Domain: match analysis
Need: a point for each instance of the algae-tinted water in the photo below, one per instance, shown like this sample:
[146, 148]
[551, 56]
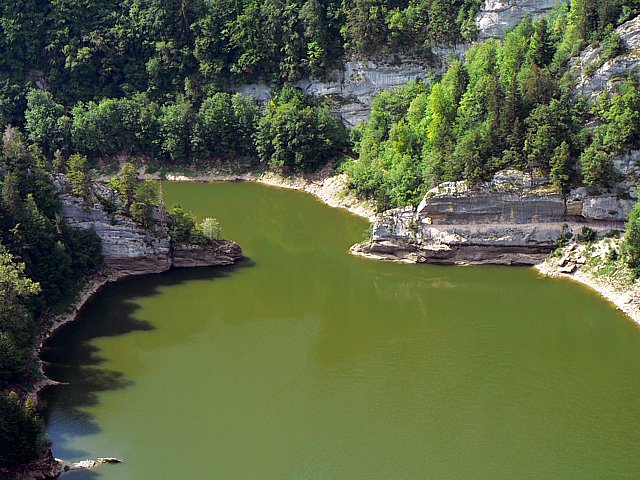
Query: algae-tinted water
[303, 362]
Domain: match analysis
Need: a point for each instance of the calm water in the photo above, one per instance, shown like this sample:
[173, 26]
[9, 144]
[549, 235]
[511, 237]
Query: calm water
[303, 362]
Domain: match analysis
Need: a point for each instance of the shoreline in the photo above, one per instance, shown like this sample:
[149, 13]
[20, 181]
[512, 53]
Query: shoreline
[94, 285]
[624, 297]
[330, 189]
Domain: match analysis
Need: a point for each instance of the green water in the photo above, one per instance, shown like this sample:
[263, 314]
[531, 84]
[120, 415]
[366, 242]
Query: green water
[303, 362]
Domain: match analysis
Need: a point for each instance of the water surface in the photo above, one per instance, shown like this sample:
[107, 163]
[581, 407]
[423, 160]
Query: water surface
[303, 362]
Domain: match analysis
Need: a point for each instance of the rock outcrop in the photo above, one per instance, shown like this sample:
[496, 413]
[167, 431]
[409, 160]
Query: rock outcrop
[130, 250]
[596, 74]
[44, 468]
[353, 88]
[498, 16]
[514, 219]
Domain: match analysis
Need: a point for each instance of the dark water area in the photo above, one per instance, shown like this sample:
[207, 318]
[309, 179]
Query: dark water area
[303, 362]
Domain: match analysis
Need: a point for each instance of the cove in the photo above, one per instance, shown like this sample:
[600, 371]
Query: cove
[303, 362]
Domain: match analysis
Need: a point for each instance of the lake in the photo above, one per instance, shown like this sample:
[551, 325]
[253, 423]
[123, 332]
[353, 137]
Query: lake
[303, 362]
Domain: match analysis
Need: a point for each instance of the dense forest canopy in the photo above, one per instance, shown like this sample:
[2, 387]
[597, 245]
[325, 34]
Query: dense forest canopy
[510, 103]
[84, 51]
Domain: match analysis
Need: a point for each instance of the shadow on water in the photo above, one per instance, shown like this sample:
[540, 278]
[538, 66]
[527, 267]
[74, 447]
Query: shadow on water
[81, 475]
[70, 357]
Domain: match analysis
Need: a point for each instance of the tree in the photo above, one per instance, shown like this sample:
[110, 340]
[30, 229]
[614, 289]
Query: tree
[11, 199]
[561, 167]
[293, 134]
[631, 242]
[45, 122]
[175, 130]
[78, 174]
[597, 168]
[146, 199]
[17, 328]
[21, 431]
[182, 225]
[126, 183]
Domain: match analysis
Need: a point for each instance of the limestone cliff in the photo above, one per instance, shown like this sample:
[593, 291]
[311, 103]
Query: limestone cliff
[353, 88]
[129, 249]
[514, 219]
[596, 74]
[498, 16]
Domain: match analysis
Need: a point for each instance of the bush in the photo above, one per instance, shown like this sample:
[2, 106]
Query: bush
[210, 229]
[182, 225]
[588, 235]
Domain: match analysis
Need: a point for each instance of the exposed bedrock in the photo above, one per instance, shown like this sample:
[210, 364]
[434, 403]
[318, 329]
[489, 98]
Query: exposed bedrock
[352, 88]
[131, 250]
[498, 16]
[596, 74]
[513, 219]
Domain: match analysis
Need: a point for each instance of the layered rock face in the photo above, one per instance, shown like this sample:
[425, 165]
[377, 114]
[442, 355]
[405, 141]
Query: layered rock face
[499, 16]
[352, 89]
[596, 75]
[513, 219]
[130, 250]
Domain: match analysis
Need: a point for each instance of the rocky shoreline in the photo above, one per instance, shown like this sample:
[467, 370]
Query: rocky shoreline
[128, 251]
[223, 252]
[591, 265]
[330, 189]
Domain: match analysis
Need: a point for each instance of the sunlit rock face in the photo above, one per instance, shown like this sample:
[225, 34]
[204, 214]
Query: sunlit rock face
[596, 75]
[499, 16]
[513, 219]
[352, 89]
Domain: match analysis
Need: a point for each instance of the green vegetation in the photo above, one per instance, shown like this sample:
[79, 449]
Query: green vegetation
[20, 430]
[631, 243]
[39, 256]
[509, 104]
[117, 48]
[294, 135]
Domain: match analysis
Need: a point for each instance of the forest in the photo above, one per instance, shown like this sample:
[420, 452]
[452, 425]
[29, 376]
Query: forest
[509, 104]
[82, 82]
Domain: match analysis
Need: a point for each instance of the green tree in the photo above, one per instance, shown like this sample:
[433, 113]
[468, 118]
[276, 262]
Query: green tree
[45, 123]
[176, 123]
[561, 169]
[126, 183]
[147, 198]
[182, 225]
[631, 241]
[293, 134]
[78, 174]
[597, 168]
[21, 431]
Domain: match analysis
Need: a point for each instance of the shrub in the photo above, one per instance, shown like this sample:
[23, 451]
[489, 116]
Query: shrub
[210, 229]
